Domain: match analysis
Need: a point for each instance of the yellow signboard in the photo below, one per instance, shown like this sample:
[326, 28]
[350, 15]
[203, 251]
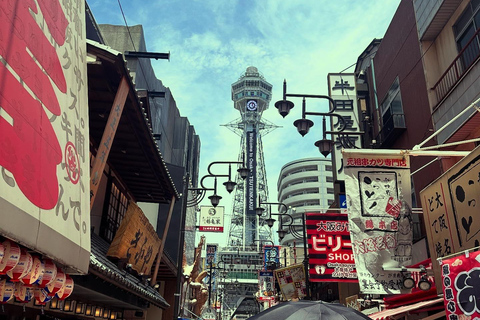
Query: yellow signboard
[451, 207]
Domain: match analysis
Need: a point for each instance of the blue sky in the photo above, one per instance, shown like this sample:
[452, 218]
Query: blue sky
[212, 42]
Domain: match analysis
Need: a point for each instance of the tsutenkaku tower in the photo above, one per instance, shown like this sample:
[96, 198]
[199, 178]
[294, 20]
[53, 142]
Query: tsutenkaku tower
[251, 94]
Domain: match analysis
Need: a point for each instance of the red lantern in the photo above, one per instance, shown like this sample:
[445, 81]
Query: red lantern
[23, 266]
[41, 295]
[35, 274]
[7, 289]
[11, 256]
[49, 275]
[56, 285]
[23, 293]
[67, 289]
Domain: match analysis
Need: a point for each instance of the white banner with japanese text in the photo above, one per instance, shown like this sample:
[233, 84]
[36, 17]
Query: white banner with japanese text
[380, 218]
[211, 218]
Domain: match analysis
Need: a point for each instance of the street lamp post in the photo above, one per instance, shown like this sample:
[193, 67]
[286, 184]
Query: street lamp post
[199, 193]
[303, 125]
[296, 235]
[270, 221]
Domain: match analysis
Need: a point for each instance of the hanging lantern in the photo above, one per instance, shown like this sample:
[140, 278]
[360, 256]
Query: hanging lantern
[49, 275]
[41, 295]
[2, 251]
[67, 289]
[23, 267]
[7, 288]
[23, 293]
[10, 257]
[35, 274]
[56, 285]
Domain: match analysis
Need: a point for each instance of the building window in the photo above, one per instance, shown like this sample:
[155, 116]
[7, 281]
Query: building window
[330, 202]
[117, 206]
[392, 110]
[330, 190]
[464, 29]
[329, 179]
[328, 168]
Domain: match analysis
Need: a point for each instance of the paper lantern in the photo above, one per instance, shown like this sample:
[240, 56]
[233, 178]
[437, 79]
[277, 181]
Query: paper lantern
[7, 288]
[35, 274]
[2, 251]
[49, 275]
[23, 267]
[41, 295]
[22, 292]
[10, 257]
[56, 285]
[67, 289]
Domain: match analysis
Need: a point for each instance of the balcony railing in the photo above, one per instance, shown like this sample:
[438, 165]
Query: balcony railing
[459, 67]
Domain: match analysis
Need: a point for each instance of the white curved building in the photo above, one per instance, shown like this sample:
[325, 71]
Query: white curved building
[305, 185]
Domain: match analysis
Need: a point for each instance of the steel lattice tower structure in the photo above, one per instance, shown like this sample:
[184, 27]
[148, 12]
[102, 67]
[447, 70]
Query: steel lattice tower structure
[251, 94]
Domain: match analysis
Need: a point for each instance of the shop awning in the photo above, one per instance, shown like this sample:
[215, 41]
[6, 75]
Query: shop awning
[383, 315]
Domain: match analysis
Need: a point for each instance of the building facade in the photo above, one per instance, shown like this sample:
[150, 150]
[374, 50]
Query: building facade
[305, 185]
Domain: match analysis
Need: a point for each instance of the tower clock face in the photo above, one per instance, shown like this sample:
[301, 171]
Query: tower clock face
[252, 105]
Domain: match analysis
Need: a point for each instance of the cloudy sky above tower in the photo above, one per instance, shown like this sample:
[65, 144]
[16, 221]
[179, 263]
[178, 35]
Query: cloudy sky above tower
[212, 42]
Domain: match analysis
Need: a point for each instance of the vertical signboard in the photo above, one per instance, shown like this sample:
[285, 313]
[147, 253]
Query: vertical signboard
[44, 129]
[450, 210]
[271, 256]
[251, 186]
[211, 218]
[380, 218]
[211, 261]
[330, 249]
[266, 285]
[341, 88]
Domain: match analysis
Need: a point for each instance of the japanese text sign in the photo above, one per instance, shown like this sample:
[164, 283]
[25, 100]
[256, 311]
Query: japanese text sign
[266, 285]
[44, 128]
[341, 88]
[210, 262]
[271, 255]
[461, 280]
[330, 250]
[292, 281]
[380, 218]
[450, 210]
[211, 219]
[135, 240]
[211, 254]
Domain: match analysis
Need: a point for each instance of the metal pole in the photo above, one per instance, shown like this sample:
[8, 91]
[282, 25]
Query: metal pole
[305, 261]
[210, 285]
[180, 253]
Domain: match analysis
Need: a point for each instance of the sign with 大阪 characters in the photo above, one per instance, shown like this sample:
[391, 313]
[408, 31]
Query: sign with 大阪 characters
[450, 210]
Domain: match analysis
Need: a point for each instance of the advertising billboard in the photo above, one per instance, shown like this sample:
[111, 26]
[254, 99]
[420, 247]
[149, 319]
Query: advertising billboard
[329, 248]
[44, 129]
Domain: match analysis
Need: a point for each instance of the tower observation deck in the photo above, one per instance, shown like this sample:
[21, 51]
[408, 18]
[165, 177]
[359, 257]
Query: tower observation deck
[251, 94]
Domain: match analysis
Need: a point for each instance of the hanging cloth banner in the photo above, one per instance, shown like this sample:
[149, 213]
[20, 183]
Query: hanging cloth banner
[461, 280]
[379, 212]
